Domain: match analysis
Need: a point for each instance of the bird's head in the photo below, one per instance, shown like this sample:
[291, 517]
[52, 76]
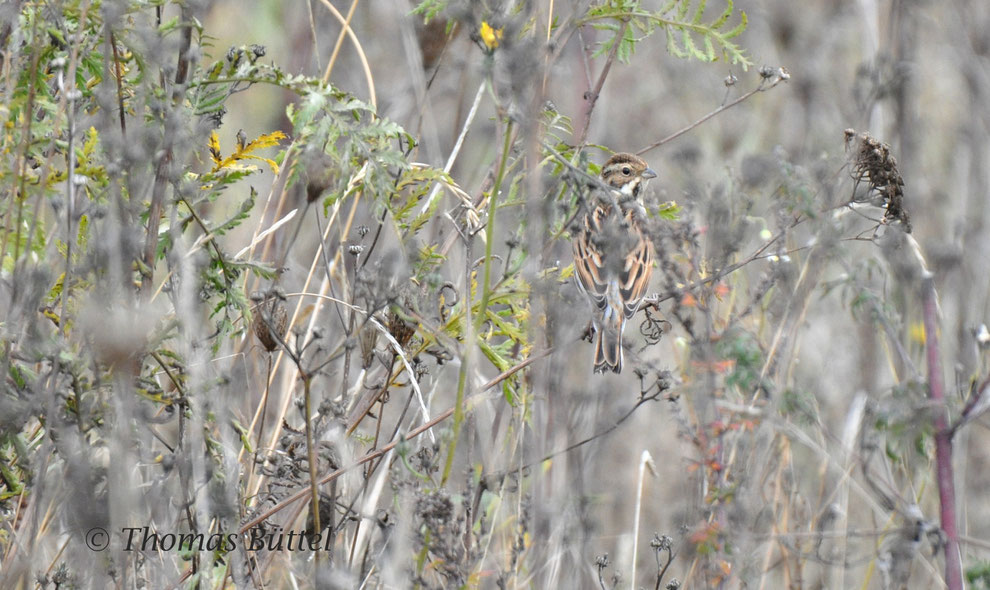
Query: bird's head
[627, 173]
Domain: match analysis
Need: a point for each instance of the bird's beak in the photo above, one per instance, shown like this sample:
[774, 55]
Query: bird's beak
[649, 173]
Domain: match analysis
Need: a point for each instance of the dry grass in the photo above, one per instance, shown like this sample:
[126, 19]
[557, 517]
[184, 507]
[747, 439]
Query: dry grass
[774, 425]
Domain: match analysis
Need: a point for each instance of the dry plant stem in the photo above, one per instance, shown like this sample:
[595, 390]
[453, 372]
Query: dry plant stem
[580, 443]
[644, 463]
[283, 408]
[312, 31]
[970, 411]
[261, 421]
[763, 86]
[311, 457]
[162, 169]
[345, 22]
[469, 337]
[593, 94]
[409, 436]
[457, 145]
[362, 411]
[340, 41]
[118, 74]
[943, 438]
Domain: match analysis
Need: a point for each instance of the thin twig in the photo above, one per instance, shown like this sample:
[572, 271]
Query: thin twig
[165, 162]
[593, 94]
[763, 87]
[457, 146]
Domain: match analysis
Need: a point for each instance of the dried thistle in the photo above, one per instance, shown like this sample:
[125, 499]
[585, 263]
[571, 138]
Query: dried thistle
[874, 164]
[399, 329]
[270, 321]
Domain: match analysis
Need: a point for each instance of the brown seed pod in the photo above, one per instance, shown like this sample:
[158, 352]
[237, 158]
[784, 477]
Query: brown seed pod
[270, 321]
[399, 329]
[368, 339]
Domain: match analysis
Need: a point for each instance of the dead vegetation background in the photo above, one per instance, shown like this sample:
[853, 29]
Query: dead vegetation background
[774, 427]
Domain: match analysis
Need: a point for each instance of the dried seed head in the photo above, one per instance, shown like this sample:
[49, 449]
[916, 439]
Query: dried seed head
[874, 164]
[399, 329]
[270, 321]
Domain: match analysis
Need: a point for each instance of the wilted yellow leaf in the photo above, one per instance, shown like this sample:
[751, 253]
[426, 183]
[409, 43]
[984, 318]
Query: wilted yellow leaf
[490, 36]
[214, 146]
[243, 151]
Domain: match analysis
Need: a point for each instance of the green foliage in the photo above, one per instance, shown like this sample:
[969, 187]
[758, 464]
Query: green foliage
[683, 21]
[358, 150]
[743, 350]
[978, 576]
[429, 9]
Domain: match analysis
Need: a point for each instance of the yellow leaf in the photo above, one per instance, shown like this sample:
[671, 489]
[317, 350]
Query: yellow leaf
[917, 332]
[264, 140]
[490, 36]
[271, 163]
[214, 146]
[243, 151]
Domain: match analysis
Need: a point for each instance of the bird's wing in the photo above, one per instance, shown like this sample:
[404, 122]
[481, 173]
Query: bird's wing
[589, 259]
[636, 271]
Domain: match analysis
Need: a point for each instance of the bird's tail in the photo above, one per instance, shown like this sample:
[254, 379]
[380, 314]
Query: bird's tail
[608, 346]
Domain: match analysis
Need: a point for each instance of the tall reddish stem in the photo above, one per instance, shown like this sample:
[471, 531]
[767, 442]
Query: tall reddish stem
[943, 439]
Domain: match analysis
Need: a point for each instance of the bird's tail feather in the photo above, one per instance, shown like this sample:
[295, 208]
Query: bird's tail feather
[608, 346]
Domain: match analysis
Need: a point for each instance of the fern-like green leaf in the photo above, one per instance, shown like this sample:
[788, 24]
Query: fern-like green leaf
[699, 12]
[743, 21]
[724, 17]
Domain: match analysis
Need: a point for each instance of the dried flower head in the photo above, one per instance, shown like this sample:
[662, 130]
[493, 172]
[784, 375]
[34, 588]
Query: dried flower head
[874, 164]
[270, 321]
[399, 329]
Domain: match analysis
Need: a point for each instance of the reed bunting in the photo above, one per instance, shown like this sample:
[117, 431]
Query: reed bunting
[613, 258]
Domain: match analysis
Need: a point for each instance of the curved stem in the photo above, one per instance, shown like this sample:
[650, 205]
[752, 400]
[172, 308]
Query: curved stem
[490, 228]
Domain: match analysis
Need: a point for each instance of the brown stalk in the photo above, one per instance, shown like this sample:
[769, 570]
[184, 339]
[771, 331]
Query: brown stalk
[162, 169]
[943, 438]
[592, 95]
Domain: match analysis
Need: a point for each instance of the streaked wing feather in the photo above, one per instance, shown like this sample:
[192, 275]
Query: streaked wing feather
[636, 276]
[589, 260]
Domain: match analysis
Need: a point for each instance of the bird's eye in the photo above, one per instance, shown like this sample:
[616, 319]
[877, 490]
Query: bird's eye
[626, 170]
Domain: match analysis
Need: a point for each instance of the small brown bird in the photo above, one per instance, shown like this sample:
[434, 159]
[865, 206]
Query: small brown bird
[613, 258]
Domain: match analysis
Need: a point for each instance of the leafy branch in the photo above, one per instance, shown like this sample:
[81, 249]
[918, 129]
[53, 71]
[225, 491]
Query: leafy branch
[688, 35]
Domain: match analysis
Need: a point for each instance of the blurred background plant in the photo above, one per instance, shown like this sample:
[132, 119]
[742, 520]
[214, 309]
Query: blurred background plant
[307, 265]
